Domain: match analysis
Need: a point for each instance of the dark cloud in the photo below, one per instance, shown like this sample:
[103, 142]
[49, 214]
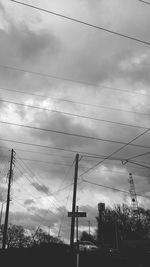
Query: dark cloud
[26, 45]
[35, 217]
[41, 188]
[29, 202]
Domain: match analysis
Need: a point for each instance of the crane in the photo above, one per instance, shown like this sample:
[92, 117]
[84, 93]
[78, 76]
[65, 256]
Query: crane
[134, 202]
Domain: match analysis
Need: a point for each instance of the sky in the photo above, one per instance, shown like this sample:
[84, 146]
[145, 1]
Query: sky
[68, 88]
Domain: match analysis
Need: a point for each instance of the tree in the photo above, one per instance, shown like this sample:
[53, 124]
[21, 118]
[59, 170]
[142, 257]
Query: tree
[87, 237]
[16, 237]
[121, 222]
[41, 237]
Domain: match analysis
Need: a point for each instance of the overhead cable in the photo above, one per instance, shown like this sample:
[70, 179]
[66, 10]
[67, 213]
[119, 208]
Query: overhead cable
[77, 135]
[83, 22]
[113, 153]
[80, 103]
[113, 188]
[74, 115]
[144, 2]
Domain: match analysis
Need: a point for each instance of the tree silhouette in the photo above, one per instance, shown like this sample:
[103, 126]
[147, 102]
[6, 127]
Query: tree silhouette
[121, 223]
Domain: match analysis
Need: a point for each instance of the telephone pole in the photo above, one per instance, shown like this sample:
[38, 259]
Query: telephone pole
[74, 200]
[77, 226]
[10, 175]
[89, 227]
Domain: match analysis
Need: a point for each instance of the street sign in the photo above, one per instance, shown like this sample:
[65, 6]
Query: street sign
[76, 214]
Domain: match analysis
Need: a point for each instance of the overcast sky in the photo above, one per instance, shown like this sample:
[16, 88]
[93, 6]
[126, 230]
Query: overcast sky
[54, 73]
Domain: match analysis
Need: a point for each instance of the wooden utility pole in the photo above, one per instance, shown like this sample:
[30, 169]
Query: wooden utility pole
[77, 226]
[1, 213]
[8, 200]
[116, 233]
[89, 227]
[74, 200]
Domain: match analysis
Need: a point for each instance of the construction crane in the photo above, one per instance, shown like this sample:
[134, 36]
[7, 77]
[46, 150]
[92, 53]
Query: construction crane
[134, 202]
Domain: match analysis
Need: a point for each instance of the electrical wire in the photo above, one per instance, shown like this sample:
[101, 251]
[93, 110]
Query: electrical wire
[113, 188]
[112, 154]
[76, 135]
[26, 179]
[23, 173]
[81, 103]
[39, 184]
[75, 115]
[49, 147]
[112, 88]
[47, 162]
[144, 2]
[82, 155]
[139, 155]
[33, 214]
[138, 164]
[112, 158]
[55, 192]
[40, 153]
[35, 197]
[44, 75]
[35, 178]
[83, 22]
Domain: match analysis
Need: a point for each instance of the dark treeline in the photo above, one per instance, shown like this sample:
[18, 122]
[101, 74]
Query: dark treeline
[114, 225]
[18, 237]
[118, 224]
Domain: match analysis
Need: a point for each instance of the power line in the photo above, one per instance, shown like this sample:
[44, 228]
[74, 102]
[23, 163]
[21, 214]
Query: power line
[48, 162]
[55, 192]
[48, 147]
[27, 179]
[26, 209]
[34, 178]
[39, 153]
[35, 213]
[75, 135]
[124, 161]
[144, 2]
[45, 75]
[112, 158]
[62, 149]
[113, 188]
[74, 115]
[138, 164]
[82, 155]
[128, 91]
[122, 173]
[80, 103]
[118, 150]
[84, 23]
[139, 155]
[32, 183]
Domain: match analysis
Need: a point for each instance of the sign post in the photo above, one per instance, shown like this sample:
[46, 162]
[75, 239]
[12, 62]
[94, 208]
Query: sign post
[76, 215]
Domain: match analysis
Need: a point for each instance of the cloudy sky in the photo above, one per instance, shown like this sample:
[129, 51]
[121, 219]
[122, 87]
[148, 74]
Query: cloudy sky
[68, 88]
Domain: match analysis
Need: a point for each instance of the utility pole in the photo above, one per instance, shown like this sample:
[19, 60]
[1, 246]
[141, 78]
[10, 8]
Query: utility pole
[74, 200]
[8, 199]
[116, 234]
[1, 213]
[77, 226]
[89, 227]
